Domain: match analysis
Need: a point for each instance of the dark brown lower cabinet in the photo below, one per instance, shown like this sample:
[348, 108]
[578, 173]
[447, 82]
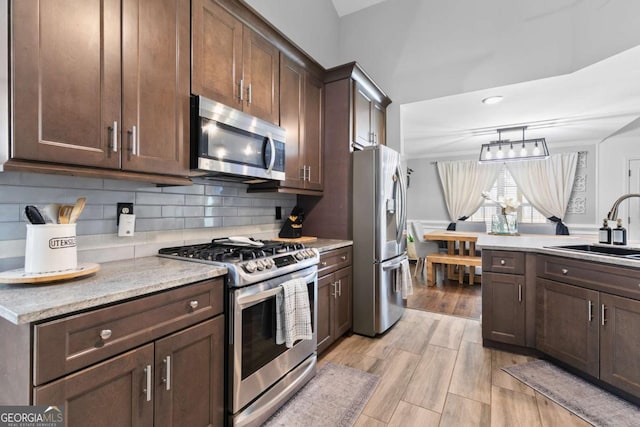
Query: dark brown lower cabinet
[503, 308]
[620, 342]
[567, 324]
[335, 285]
[334, 307]
[176, 381]
[111, 393]
[592, 331]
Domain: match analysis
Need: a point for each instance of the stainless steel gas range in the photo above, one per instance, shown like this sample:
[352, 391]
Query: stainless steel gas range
[262, 375]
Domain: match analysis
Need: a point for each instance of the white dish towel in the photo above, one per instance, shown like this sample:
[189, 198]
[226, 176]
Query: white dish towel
[406, 285]
[293, 315]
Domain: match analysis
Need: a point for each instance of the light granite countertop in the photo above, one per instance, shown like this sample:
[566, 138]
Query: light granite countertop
[324, 245]
[544, 245]
[114, 281]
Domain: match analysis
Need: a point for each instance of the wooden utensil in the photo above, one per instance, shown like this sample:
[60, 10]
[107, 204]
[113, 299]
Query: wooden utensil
[64, 214]
[77, 210]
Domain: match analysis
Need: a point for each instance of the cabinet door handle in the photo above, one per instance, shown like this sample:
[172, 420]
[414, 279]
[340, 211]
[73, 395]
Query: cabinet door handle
[564, 271]
[519, 292]
[167, 369]
[134, 140]
[309, 175]
[590, 311]
[240, 89]
[114, 137]
[334, 291]
[147, 390]
[193, 304]
[603, 309]
[249, 94]
[105, 334]
[303, 173]
[502, 262]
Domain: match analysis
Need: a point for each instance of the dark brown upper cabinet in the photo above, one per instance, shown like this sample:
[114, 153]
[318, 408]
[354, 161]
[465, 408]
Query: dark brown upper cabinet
[102, 84]
[232, 63]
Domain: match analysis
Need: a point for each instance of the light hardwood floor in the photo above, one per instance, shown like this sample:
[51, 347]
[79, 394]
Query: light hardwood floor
[434, 372]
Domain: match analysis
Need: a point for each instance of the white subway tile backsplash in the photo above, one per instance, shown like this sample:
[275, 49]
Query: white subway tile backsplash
[10, 212]
[190, 189]
[230, 221]
[166, 216]
[159, 199]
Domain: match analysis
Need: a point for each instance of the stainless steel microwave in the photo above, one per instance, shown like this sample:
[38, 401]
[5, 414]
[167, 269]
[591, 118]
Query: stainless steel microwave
[227, 143]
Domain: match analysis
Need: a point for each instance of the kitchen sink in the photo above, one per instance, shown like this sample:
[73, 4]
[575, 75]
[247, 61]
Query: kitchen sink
[602, 250]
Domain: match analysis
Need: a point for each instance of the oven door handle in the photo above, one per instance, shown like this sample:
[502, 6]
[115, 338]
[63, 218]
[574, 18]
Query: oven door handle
[260, 296]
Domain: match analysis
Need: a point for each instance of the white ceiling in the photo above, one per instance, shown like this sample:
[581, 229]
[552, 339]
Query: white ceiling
[345, 7]
[587, 105]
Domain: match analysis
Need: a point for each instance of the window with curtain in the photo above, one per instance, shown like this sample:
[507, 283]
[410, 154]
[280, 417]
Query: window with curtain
[505, 186]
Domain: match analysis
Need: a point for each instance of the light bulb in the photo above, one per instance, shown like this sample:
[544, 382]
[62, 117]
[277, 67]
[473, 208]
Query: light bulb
[536, 150]
[500, 154]
[523, 151]
[488, 155]
[511, 153]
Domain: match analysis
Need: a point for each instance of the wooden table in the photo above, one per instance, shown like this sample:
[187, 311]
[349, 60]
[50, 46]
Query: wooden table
[466, 255]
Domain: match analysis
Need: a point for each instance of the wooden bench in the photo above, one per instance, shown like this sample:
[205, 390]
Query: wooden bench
[459, 260]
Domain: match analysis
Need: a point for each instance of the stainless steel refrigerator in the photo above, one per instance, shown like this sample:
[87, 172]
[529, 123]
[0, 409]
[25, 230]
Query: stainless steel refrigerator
[379, 245]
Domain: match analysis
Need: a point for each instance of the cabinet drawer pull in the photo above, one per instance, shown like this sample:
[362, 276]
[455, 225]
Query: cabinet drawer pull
[590, 311]
[167, 368]
[564, 271]
[105, 334]
[343, 257]
[603, 309]
[147, 389]
[193, 304]
[502, 262]
[519, 292]
[323, 263]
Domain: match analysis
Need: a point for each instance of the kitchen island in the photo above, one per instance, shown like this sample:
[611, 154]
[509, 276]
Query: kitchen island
[580, 308]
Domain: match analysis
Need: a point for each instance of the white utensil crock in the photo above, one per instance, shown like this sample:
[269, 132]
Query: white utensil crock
[50, 248]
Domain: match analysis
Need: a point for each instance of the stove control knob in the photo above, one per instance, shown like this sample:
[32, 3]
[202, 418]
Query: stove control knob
[260, 264]
[268, 263]
[311, 253]
[299, 256]
[250, 267]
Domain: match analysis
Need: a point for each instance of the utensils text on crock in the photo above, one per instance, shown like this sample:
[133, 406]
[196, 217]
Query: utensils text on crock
[33, 215]
[77, 210]
[64, 214]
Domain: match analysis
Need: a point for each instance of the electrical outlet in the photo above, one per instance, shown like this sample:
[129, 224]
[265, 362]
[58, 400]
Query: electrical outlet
[124, 208]
[278, 212]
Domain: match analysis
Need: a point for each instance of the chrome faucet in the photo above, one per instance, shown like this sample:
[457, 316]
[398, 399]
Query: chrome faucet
[613, 213]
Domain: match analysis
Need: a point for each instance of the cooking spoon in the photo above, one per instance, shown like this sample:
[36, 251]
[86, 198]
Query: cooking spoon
[64, 214]
[77, 210]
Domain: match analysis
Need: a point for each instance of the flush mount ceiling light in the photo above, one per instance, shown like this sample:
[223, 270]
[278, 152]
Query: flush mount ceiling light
[492, 100]
[504, 150]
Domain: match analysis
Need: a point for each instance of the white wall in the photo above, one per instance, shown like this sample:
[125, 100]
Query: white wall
[614, 155]
[313, 25]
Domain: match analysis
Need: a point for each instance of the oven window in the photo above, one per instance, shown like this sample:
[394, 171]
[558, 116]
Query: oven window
[259, 334]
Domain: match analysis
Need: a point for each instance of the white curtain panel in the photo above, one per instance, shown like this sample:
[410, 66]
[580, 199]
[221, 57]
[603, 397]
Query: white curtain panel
[463, 183]
[546, 183]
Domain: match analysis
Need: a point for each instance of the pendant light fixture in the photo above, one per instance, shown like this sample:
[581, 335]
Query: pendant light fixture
[507, 150]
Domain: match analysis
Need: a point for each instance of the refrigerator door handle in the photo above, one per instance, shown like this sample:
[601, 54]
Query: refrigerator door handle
[401, 206]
